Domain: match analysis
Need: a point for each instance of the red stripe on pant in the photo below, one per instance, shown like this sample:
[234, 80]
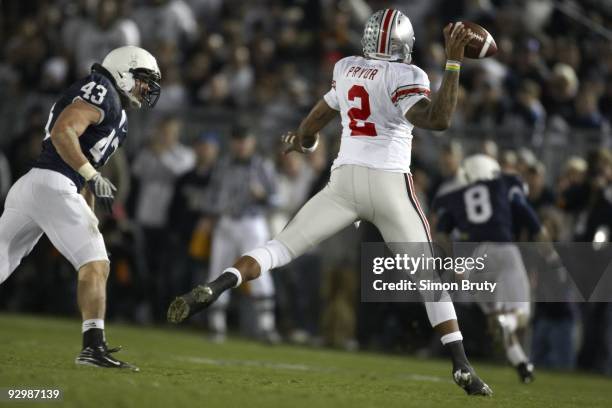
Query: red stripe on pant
[415, 202]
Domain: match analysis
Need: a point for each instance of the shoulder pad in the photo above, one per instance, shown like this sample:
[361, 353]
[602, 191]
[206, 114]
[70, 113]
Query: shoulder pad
[99, 91]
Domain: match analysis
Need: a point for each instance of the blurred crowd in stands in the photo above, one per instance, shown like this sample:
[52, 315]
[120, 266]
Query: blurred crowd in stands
[542, 107]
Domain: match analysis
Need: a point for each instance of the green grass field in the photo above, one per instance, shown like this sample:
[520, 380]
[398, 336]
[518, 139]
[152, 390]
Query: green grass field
[180, 368]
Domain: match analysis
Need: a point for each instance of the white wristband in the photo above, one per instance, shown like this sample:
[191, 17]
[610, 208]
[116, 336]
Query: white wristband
[236, 273]
[311, 148]
[87, 171]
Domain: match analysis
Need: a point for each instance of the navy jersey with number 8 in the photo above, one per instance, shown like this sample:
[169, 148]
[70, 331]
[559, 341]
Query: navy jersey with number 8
[489, 210]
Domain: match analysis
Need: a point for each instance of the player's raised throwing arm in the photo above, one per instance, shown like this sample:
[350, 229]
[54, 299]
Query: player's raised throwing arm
[306, 138]
[436, 113]
[65, 134]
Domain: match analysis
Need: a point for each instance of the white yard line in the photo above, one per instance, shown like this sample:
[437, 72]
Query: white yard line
[426, 378]
[250, 363]
[294, 367]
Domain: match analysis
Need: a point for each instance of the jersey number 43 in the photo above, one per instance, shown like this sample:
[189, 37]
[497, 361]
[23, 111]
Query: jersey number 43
[96, 97]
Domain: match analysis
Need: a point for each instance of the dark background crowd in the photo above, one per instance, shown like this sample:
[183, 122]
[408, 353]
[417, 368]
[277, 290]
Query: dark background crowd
[542, 106]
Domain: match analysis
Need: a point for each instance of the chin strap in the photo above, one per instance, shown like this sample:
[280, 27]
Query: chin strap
[134, 103]
[126, 83]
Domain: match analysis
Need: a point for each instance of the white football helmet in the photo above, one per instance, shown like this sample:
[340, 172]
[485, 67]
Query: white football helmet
[479, 167]
[129, 63]
[388, 35]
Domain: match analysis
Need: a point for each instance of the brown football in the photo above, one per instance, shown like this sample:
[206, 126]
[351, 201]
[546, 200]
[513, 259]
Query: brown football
[482, 44]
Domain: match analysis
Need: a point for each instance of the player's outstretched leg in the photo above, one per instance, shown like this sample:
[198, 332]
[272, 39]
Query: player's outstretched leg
[442, 317]
[248, 267]
[202, 296]
[464, 374]
[509, 323]
[92, 302]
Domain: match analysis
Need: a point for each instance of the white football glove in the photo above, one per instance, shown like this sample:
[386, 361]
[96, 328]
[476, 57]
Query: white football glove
[103, 190]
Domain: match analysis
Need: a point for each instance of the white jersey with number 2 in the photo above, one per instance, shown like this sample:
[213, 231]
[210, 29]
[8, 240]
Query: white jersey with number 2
[373, 96]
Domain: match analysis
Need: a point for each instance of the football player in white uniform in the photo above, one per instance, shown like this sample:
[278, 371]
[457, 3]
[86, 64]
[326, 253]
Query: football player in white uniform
[380, 97]
[56, 197]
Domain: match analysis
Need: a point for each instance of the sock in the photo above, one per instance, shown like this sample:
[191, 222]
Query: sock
[438, 312]
[93, 333]
[450, 337]
[454, 343]
[230, 278]
[272, 255]
[515, 354]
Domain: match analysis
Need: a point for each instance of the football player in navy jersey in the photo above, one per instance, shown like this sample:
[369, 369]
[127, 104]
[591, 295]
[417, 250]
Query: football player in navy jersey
[57, 196]
[488, 206]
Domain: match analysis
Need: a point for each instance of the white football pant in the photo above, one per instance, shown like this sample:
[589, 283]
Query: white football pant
[45, 201]
[386, 199]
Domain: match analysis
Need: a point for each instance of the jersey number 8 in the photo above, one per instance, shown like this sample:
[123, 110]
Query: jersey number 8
[478, 204]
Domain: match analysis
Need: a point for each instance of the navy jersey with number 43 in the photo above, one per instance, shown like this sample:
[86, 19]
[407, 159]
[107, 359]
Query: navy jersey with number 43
[99, 141]
[488, 210]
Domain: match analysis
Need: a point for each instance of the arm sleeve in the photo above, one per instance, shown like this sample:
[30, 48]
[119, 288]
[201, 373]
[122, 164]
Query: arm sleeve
[411, 86]
[331, 97]
[522, 211]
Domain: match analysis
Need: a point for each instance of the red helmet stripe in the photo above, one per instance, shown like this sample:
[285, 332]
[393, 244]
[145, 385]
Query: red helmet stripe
[384, 32]
[393, 21]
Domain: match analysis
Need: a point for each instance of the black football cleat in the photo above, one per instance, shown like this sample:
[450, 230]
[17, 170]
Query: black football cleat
[100, 356]
[525, 372]
[467, 379]
[191, 303]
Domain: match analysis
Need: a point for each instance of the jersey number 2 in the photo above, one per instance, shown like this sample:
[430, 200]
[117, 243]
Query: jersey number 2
[362, 113]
